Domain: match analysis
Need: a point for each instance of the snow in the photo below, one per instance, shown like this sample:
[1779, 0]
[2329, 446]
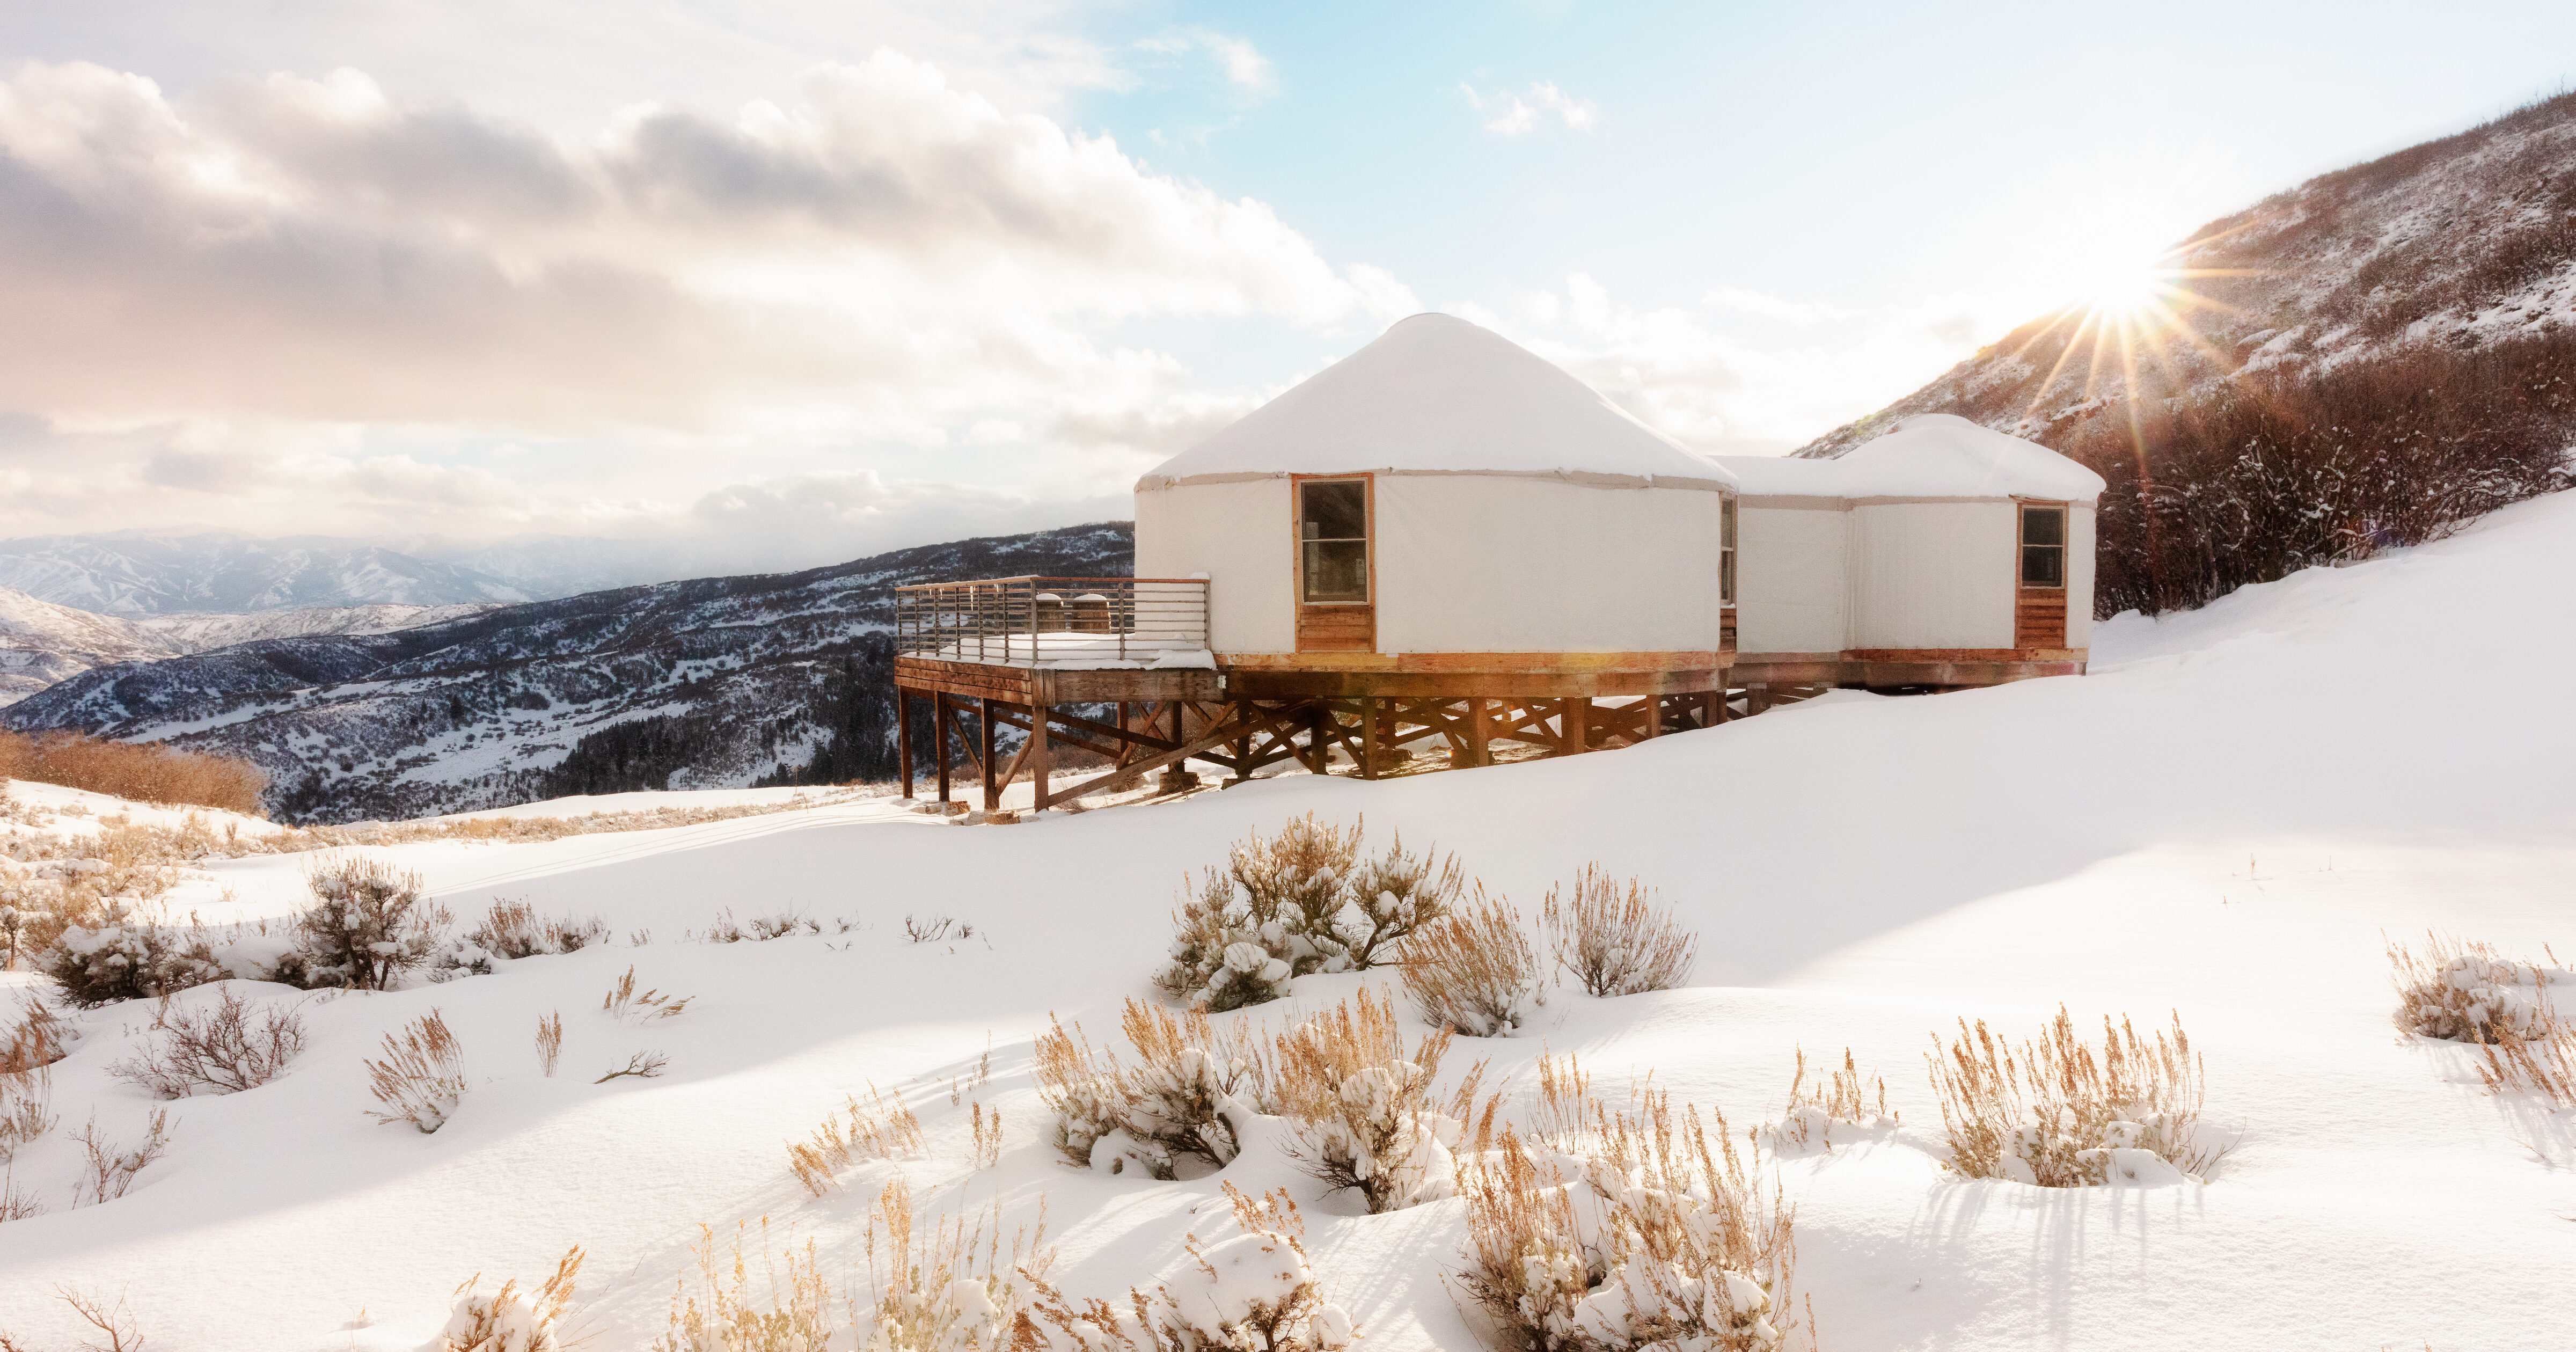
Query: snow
[1437, 394]
[1925, 455]
[2226, 820]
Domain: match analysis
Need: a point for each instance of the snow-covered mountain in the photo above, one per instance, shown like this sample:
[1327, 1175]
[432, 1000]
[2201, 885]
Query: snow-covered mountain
[140, 574]
[42, 643]
[2456, 244]
[708, 683]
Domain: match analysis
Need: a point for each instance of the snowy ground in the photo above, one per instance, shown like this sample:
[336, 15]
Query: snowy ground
[2224, 820]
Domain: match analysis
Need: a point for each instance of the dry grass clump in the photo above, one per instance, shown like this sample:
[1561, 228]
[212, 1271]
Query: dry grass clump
[953, 1287]
[422, 1077]
[27, 1089]
[882, 1130]
[146, 772]
[111, 1167]
[1642, 1230]
[1364, 1114]
[2542, 1063]
[1184, 1099]
[223, 1049]
[623, 1001]
[760, 928]
[2058, 1113]
[2462, 990]
[727, 1312]
[368, 924]
[1615, 942]
[1299, 902]
[511, 1320]
[550, 1042]
[1473, 971]
[511, 930]
[1253, 1290]
[1837, 1100]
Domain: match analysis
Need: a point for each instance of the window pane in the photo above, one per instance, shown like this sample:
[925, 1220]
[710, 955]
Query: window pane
[1726, 577]
[2043, 526]
[1337, 570]
[1726, 523]
[1337, 510]
[2043, 566]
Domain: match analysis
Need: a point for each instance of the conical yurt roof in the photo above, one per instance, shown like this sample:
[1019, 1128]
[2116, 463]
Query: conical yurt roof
[1438, 395]
[1925, 455]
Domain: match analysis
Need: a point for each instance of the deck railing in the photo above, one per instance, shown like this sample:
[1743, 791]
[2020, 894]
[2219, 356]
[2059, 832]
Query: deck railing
[1064, 621]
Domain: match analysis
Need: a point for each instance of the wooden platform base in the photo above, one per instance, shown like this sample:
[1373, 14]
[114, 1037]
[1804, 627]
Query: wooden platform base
[1906, 668]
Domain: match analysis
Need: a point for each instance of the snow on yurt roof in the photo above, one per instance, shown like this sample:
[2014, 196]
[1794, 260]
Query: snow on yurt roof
[1438, 395]
[1928, 455]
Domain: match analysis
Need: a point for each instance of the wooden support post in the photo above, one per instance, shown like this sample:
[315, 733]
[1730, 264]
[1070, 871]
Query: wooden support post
[1479, 750]
[903, 735]
[1319, 752]
[939, 738]
[1368, 737]
[1576, 737]
[1716, 705]
[1757, 698]
[1242, 744]
[992, 790]
[1654, 716]
[1038, 757]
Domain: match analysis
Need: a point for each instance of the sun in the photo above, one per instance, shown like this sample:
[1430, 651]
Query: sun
[2127, 291]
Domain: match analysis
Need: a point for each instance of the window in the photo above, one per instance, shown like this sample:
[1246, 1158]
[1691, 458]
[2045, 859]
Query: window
[2043, 546]
[1726, 552]
[1332, 534]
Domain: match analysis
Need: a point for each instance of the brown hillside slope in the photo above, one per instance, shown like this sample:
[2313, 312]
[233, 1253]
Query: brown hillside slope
[2369, 359]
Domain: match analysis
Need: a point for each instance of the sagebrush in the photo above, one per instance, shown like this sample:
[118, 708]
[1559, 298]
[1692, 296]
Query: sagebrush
[1474, 971]
[2059, 1113]
[1186, 1098]
[1614, 940]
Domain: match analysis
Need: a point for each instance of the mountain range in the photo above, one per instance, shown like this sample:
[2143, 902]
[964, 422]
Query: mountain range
[715, 682]
[42, 643]
[137, 574]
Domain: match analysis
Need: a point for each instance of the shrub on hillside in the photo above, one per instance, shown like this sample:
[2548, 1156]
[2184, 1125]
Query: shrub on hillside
[1473, 971]
[224, 1048]
[2462, 990]
[511, 1320]
[1299, 902]
[1188, 1097]
[1253, 1288]
[146, 772]
[2057, 1113]
[1821, 1106]
[368, 923]
[1615, 942]
[511, 930]
[422, 1078]
[1365, 1117]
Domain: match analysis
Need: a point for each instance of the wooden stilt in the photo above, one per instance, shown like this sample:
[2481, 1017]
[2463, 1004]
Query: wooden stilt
[992, 790]
[1757, 698]
[1368, 737]
[1577, 710]
[939, 738]
[903, 736]
[1480, 750]
[1038, 758]
[1654, 710]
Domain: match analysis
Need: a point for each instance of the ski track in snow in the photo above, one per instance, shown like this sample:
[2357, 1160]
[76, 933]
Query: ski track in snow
[2227, 820]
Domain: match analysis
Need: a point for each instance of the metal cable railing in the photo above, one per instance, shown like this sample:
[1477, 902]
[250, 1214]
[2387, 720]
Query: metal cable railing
[1052, 621]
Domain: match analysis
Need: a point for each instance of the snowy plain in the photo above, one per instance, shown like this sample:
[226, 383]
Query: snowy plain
[2227, 819]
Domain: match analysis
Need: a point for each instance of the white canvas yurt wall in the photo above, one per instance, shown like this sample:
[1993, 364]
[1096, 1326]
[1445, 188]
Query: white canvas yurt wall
[1515, 510]
[1910, 541]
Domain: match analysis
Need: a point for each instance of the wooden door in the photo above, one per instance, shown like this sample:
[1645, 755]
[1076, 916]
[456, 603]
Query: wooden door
[1335, 519]
[2039, 598]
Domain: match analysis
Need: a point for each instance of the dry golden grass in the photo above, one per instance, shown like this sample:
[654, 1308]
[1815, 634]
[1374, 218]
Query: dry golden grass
[1291, 1316]
[2542, 1063]
[1651, 1207]
[2463, 990]
[1831, 1099]
[1616, 941]
[2055, 1110]
[224, 1049]
[952, 1286]
[1364, 1112]
[623, 1001]
[550, 1042]
[788, 1310]
[1171, 1103]
[1473, 971]
[882, 1130]
[145, 772]
[511, 1320]
[422, 1077]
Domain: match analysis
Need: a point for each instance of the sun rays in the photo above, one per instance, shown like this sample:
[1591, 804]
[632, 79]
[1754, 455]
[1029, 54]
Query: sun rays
[2130, 313]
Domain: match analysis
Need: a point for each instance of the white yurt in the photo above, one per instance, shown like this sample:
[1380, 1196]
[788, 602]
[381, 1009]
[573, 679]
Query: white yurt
[1442, 491]
[1940, 540]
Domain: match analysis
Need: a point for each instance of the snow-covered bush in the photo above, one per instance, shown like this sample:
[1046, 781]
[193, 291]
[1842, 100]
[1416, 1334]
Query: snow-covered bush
[1831, 1104]
[367, 924]
[511, 1320]
[953, 1289]
[122, 955]
[223, 1048]
[1648, 1235]
[789, 1310]
[1473, 971]
[1188, 1096]
[1298, 902]
[1615, 942]
[1252, 1290]
[2059, 1114]
[1364, 1114]
[422, 1076]
[511, 930]
[2462, 990]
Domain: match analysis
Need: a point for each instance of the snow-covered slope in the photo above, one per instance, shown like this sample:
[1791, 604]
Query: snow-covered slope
[218, 571]
[41, 643]
[2226, 820]
[185, 632]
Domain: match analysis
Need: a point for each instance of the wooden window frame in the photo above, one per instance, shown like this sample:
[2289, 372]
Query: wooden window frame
[1339, 626]
[2021, 544]
[1729, 527]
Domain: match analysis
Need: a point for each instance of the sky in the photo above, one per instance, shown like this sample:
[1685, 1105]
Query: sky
[752, 286]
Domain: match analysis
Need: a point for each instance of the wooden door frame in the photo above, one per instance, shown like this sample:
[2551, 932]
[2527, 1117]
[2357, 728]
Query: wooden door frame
[1297, 555]
[2064, 590]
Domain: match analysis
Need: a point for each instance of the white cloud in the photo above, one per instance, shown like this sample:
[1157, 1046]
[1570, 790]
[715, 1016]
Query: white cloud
[1514, 115]
[1244, 67]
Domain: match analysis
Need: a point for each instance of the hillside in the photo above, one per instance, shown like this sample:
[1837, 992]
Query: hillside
[2368, 358]
[135, 575]
[42, 643]
[708, 683]
[2219, 842]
